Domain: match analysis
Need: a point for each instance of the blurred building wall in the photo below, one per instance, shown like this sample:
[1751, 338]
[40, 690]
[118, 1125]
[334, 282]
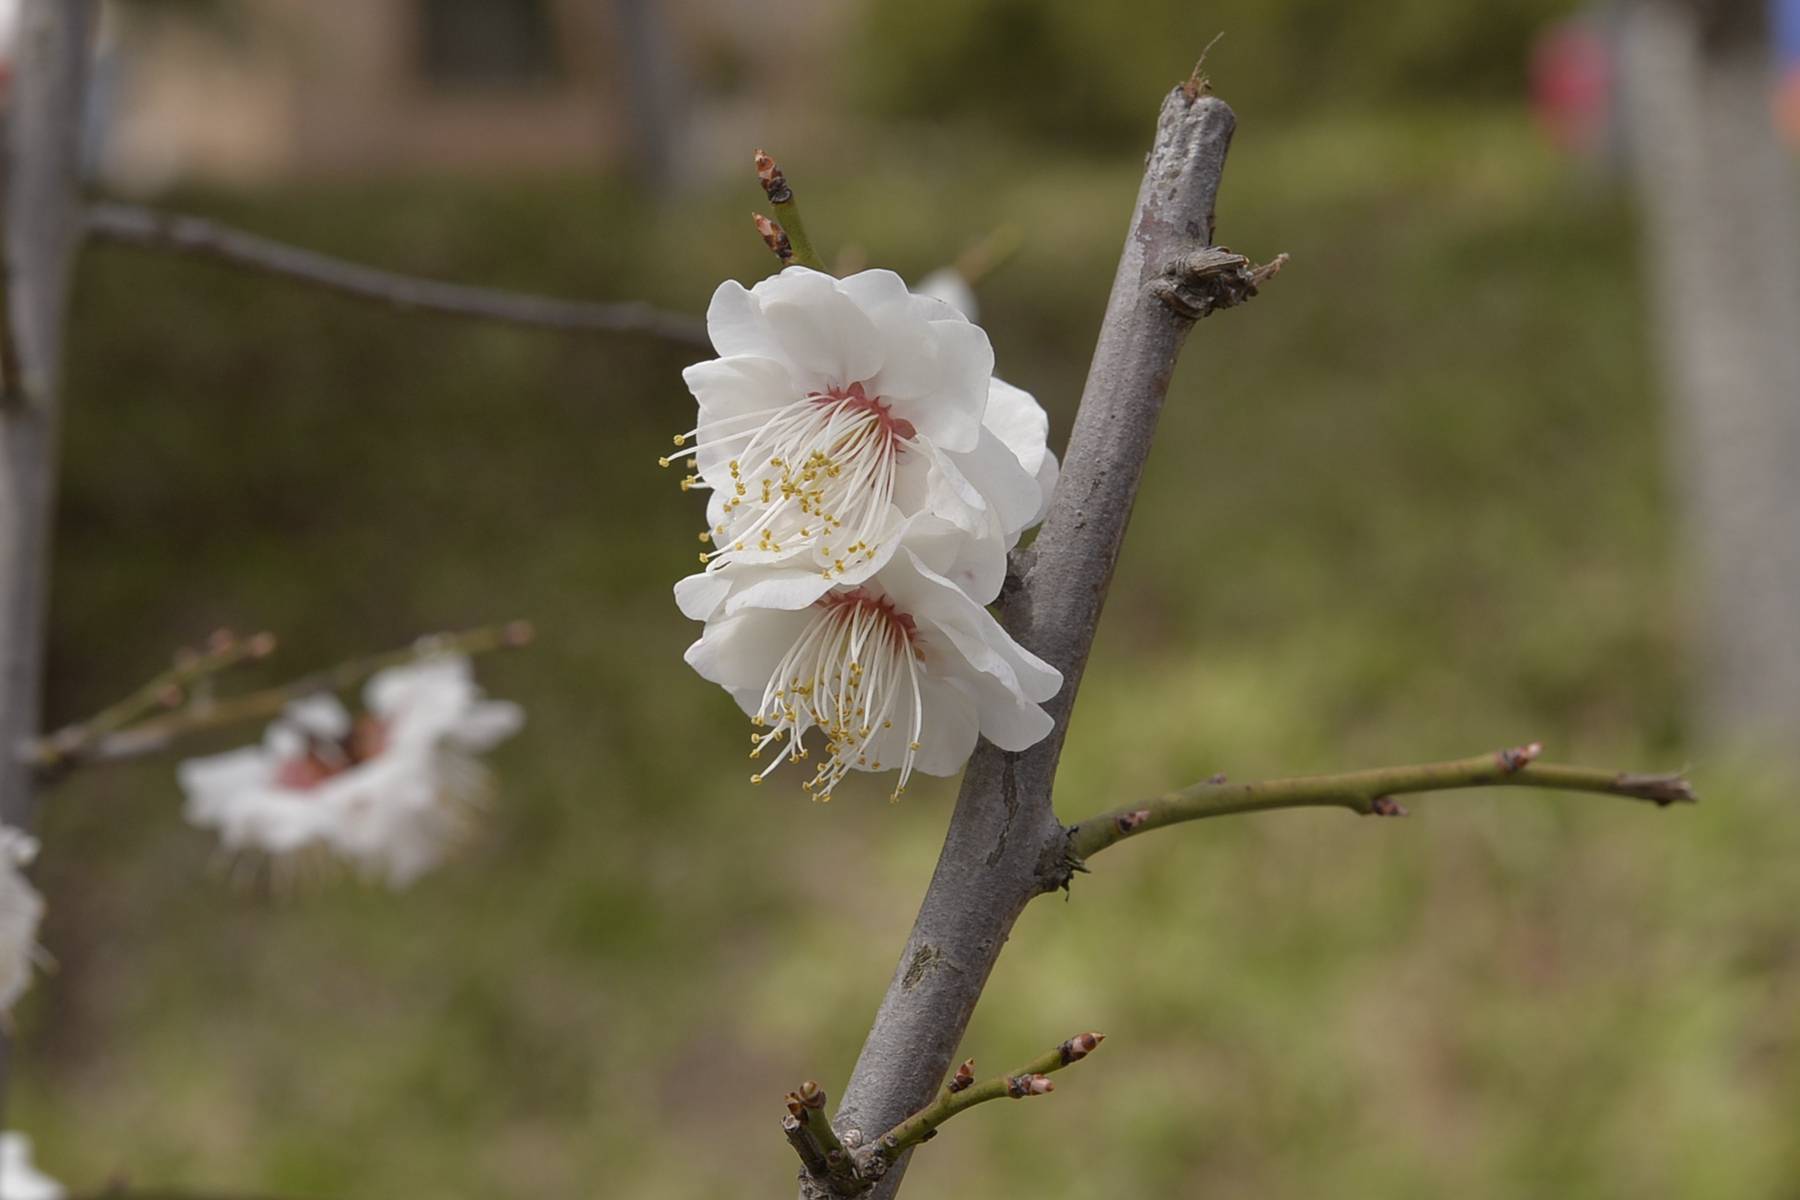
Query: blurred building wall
[257, 90]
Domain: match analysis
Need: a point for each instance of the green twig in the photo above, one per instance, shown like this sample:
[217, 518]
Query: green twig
[787, 214]
[113, 739]
[1367, 792]
[963, 1093]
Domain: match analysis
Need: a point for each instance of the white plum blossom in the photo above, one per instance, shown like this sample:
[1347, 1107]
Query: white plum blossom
[837, 411]
[21, 910]
[19, 1180]
[900, 670]
[392, 790]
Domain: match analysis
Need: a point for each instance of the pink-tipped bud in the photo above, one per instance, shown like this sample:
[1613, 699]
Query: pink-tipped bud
[1217, 779]
[1519, 756]
[774, 183]
[964, 1077]
[261, 645]
[1127, 822]
[1080, 1046]
[812, 1095]
[517, 633]
[1021, 1086]
[1386, 806]
[774, 237]
[221, 640]
[171, 696]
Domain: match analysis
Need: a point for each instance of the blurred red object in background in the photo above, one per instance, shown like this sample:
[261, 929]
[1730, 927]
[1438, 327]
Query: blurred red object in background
[1571, 85]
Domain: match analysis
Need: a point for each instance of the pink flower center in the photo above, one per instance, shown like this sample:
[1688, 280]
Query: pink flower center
[323, 758]
[900, 624]
[854, 397]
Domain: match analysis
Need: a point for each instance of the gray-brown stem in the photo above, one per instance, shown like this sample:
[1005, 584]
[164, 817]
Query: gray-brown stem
[41, 197]
[1004, 844]
[129, 225]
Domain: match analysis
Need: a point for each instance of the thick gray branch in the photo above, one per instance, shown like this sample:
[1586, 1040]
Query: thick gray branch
[1005, 844]
[41, 199]
[145, 228]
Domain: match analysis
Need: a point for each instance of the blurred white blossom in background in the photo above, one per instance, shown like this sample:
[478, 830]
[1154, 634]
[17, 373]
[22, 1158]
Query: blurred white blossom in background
[392, 790]
[19, 1180]
[21, 909]
[949, 285]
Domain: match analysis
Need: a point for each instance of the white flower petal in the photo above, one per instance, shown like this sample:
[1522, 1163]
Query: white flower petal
[1019, 421]
[951, 414]
[488, 724]
[744, 384]
[1009, 489]
[699, 596]
[740, 652]
[825, 335]
[735, 323]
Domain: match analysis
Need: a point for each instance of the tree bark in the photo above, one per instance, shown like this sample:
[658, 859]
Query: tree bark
[1005, 844]
[1721, 222]
[41, 230]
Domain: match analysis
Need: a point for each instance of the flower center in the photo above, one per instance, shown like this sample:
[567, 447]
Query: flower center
[853, 674]
[324, 758]
[817, 474]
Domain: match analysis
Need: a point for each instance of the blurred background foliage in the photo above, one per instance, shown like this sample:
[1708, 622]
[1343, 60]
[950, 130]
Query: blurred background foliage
[1085, 74]
[1408, 504]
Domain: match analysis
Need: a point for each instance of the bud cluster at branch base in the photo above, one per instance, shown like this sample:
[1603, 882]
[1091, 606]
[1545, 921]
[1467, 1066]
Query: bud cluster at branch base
[868, 476]
[391, 790]
[21, 910]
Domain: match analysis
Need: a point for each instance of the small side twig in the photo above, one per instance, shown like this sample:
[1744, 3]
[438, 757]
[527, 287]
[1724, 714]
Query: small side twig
[962, 1092]
[787, 215]
[1370, 793]
[167, 689]
[82, 743]
[130, 225]
[821, 1151]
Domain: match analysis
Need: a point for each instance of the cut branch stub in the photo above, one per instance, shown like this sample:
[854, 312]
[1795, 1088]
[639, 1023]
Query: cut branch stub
[1198, 284]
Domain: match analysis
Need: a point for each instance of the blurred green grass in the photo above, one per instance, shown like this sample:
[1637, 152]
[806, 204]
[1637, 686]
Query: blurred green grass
[1407, 504]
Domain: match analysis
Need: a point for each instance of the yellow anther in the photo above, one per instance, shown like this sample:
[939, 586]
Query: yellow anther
[681, 439]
